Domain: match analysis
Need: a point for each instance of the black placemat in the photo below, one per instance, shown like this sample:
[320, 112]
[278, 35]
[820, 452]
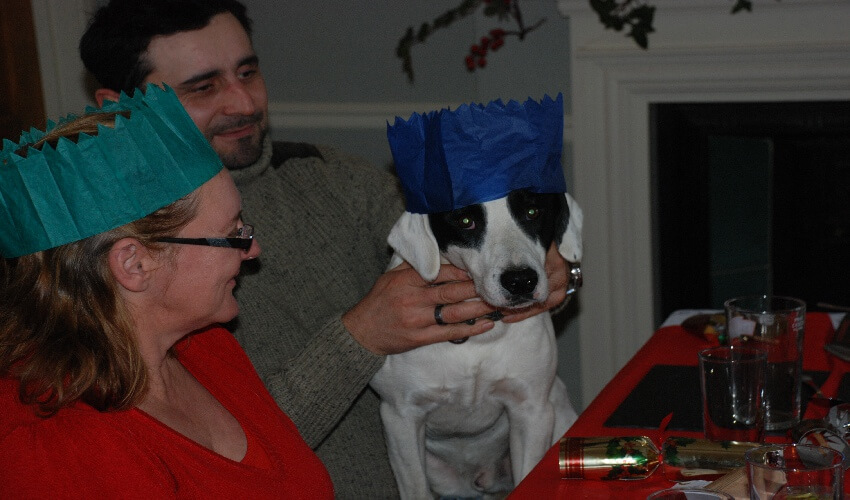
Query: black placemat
[675, 389]
[664, 389]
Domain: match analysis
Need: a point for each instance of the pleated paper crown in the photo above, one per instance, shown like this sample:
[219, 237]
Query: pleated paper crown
[451, 159]
[53, 196]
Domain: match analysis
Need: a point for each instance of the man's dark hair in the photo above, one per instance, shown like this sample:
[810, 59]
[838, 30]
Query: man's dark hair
[117, 38]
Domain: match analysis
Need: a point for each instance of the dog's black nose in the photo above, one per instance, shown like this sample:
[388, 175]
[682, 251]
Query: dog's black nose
[519, 281]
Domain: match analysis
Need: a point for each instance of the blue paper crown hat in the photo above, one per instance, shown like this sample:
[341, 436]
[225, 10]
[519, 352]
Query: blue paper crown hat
[451, 159]
[148, 160]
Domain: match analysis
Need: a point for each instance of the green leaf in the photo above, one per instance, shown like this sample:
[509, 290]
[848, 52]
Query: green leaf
[424, 31]
[742, 5]
[402, 50]
[639, 34]
[407, 67]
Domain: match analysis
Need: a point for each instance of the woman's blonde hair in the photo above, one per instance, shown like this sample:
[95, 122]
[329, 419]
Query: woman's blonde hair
[65, 331]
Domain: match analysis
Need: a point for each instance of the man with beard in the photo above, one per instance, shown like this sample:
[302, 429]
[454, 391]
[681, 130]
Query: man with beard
[318, 311]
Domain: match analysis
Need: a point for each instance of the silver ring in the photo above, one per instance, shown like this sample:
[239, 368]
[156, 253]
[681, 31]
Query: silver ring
[576, 280]
[438, 314]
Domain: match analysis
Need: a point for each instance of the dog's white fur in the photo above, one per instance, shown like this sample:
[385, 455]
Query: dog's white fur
[473, 419]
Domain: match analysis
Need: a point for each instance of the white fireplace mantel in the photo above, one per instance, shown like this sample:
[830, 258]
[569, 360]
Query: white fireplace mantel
[788, 50]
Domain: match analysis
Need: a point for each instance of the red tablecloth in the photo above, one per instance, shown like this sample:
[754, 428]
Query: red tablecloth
[670, 345]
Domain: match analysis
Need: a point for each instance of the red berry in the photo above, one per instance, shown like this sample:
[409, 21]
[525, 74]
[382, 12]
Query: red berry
[497, 43]
[482, 62]
[497, 33]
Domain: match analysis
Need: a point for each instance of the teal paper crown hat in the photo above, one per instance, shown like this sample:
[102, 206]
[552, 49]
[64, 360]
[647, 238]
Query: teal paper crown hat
[451, 159]
[55, 196]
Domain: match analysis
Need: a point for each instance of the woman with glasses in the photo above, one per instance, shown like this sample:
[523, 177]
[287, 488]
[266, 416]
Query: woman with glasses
[122, 238]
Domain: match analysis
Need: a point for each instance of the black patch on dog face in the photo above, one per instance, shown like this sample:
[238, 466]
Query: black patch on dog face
[562, 220]
[538, 214]
[463, 227]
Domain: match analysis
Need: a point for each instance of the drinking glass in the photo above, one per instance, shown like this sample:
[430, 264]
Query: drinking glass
[786, 471]
[775, 324]
[732, 379]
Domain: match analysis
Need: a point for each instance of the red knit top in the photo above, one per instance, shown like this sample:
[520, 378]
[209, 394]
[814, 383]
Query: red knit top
[83, 453]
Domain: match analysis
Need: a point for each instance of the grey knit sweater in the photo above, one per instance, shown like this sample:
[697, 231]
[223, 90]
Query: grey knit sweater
[322, 225]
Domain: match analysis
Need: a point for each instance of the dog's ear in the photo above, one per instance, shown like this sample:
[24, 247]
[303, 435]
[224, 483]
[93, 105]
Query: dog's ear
[568, 230]
[411, 237]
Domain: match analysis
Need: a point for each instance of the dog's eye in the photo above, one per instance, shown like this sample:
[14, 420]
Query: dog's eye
[532, 213]
[466, 222]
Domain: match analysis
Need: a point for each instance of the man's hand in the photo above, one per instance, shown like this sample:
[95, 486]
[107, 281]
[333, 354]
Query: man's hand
[558, 274]
[397, 315]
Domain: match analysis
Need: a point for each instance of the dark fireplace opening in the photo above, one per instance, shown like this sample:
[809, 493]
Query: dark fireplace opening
[750, 198]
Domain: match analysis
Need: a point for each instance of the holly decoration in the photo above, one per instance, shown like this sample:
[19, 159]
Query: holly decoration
[636, 15]
[503, 10]
[621, 448]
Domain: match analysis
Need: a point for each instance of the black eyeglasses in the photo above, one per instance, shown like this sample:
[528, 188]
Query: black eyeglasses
[243, 240]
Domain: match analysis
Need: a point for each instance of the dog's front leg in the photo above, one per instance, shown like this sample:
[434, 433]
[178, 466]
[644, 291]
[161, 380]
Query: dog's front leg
[530, 436]
[405, 432]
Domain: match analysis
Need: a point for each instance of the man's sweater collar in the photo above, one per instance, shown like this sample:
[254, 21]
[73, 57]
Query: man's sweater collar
[245, 175]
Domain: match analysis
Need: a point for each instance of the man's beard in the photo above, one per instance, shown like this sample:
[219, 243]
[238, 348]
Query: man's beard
[248, 149]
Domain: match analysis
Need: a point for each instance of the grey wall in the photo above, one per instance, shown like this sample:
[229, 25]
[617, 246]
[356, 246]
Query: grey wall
[333, 53]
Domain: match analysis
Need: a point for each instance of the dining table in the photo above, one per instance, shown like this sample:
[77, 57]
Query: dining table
[657, 395]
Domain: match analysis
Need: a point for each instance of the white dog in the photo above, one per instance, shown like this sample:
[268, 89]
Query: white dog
[472, 419]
